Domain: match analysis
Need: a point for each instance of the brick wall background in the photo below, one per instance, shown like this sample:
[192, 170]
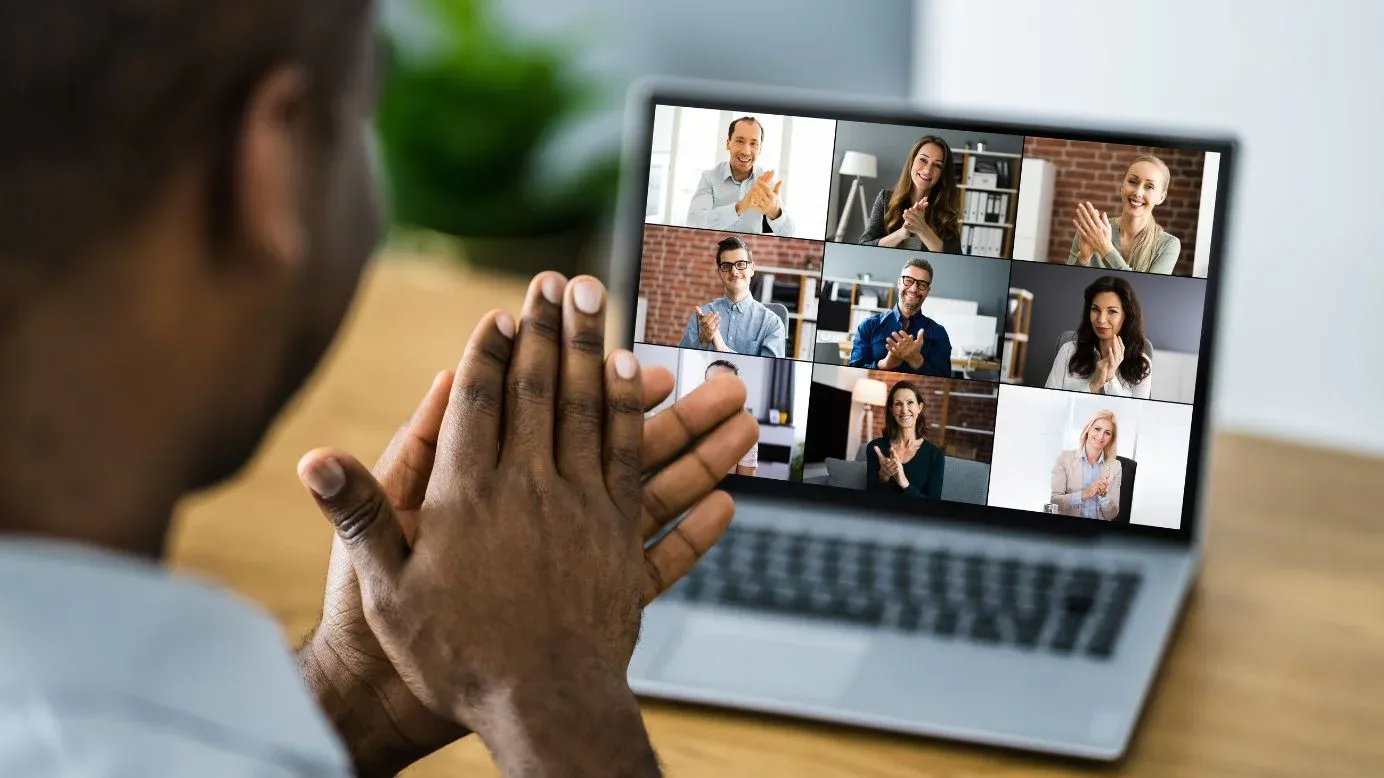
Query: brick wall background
[977, 413]
[1092, 171]
[677, 272]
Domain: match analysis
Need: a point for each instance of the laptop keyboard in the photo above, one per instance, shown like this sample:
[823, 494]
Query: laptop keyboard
[994, 601]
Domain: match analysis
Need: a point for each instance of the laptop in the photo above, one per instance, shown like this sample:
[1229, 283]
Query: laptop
[975, 508]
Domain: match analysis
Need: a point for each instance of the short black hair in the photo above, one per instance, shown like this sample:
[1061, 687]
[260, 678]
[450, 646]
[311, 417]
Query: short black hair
[730, 131]
[721, 363]
[104, 101]
[731, 244]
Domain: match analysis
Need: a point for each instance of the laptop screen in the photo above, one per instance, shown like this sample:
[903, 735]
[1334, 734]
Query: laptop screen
[947, 320]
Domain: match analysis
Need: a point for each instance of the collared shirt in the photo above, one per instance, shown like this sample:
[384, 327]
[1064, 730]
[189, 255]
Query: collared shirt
[1090, 473]
[872, 337]
[111, 666]
[747, 327]
[713, 205]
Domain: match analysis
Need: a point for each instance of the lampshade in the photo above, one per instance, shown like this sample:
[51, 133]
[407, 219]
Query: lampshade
[858, 163]
[870, 392]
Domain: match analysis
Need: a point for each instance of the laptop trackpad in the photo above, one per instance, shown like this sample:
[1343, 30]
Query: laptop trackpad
[751, 657]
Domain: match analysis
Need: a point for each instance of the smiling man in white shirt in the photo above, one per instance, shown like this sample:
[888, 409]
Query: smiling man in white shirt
[738, 195]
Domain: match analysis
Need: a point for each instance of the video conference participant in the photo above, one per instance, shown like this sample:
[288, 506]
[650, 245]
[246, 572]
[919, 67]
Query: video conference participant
[904, 461]
[735, 323]
[1135, 241]
[1086, 482]
[737, 195]
[748, 464]
[922, 211]
[1107, 356]
[903, 339]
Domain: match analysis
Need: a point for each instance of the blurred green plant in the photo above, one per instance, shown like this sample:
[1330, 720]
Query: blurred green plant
[463, 117]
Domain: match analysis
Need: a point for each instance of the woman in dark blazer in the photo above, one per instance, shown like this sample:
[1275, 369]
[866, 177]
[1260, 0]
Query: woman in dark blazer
[904, 461]
[922, 211]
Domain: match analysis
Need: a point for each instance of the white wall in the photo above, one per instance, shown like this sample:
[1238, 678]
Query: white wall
[1037, 424]
[1299, 83]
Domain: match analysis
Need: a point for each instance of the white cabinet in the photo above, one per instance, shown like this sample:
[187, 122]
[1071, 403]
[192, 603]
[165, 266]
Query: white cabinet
[1033, 222]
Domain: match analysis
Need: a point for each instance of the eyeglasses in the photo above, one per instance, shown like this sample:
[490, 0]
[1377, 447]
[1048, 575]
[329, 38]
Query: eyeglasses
[909, 282]
[741, 265]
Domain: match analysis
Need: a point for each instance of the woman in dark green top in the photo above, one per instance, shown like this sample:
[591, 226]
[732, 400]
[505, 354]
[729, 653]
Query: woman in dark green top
[903, 461]
[922, 211]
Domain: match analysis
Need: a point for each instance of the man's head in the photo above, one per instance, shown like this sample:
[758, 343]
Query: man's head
[720, 367]
[186, 206]
[915, 282]
[735, 265]
[744, 138]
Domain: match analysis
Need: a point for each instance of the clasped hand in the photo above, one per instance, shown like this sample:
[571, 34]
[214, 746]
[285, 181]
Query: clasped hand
[1111, 357]
[708, 326]
[903, 349]
[914, 219]
[1098, 489]
[500, 555]
[1092, 231]
[762, 197]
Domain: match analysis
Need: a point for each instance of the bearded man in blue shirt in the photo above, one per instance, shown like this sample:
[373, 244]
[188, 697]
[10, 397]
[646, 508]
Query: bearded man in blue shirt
[903, 340]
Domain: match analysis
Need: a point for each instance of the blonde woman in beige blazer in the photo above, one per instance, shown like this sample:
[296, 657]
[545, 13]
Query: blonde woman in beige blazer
[1086, 482]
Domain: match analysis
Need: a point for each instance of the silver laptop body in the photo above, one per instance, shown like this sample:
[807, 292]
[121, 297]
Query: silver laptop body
[1078, 694]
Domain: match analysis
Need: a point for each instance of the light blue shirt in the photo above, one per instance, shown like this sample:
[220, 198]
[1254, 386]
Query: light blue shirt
[111, 666]
[713, 204]
[747, 327]
[1090, 473]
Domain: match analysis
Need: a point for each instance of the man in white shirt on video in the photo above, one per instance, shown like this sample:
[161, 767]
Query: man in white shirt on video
[737, 195]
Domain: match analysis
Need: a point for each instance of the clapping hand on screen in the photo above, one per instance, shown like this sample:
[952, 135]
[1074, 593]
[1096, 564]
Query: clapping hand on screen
[708, 326]
[1108, 366]
[914, 218]
[1093, 231]
[763, 196]
[889, 467]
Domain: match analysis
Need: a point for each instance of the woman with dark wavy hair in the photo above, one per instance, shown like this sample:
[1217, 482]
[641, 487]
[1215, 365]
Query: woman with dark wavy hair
[922, 212]
[1109, 355]
[904, 461]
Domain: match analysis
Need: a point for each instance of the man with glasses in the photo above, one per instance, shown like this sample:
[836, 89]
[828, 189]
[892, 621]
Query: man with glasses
[735, 323]
[903, 339]
[737, 195]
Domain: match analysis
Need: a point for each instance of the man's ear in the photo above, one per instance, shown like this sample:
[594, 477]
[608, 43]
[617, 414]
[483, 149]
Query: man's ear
[269, 167]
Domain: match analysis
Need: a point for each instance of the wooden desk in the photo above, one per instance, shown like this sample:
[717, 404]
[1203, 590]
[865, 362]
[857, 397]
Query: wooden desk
[1278, 671]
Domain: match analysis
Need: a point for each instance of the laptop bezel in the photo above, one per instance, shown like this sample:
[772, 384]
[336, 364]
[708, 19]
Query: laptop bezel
[626, 250]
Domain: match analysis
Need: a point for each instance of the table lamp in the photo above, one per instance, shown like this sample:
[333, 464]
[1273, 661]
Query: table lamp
[872, 394]
[858, 165]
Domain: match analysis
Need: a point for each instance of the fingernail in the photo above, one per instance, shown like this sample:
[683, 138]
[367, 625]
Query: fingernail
[505, 323]
[325, 478]
[552, 288]
[587, 296]
[625, 365]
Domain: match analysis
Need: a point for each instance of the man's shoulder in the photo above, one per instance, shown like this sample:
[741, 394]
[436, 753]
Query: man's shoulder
[716, 172]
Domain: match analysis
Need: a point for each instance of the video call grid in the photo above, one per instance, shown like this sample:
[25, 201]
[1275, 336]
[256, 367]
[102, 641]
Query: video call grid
[824, 271]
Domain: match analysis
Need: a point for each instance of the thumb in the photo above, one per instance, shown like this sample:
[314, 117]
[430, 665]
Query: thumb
[777, 186]
[878, 455]
[360, 511]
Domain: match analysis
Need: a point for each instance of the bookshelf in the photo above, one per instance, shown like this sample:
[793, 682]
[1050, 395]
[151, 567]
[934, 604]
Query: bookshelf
[1018, 319]
[989, 184]
[795, 289]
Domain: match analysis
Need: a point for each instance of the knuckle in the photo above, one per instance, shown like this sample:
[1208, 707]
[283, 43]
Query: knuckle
[479, 398]
[541, 325]
[623, 404]
[624, 459]
[530, 388]
[588, 341]
[353, 522]
[582, 409]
